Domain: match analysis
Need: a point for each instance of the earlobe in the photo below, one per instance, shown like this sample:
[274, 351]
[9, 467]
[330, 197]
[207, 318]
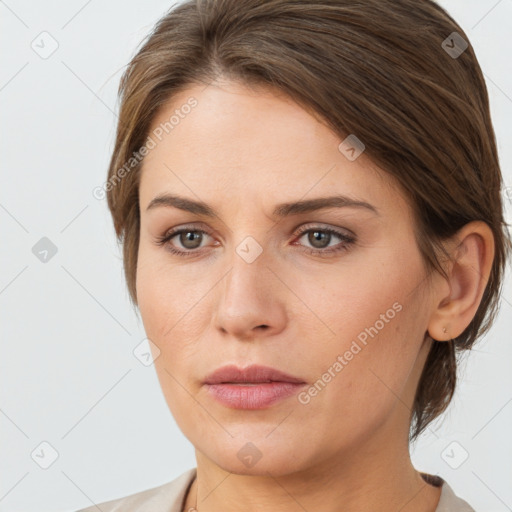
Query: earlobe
[441, 333]
[468, 273]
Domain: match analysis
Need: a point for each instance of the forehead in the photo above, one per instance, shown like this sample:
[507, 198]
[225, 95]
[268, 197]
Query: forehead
[251, 143]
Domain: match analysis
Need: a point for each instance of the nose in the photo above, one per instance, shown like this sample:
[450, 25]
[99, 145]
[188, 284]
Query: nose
[251, 300]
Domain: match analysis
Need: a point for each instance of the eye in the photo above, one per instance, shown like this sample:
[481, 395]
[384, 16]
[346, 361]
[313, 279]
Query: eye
[320, 239]
[188, 239]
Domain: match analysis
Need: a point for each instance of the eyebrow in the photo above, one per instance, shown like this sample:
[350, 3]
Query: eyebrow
[280, 210]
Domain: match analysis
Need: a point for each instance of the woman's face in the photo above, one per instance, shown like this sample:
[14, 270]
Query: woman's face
[263, 282]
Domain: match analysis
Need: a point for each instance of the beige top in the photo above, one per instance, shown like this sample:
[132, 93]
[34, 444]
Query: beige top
[170, 497]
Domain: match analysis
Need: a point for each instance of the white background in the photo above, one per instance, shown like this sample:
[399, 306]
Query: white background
[68, 374]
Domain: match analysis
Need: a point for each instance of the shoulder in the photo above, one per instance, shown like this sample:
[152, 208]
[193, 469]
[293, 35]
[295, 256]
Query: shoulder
[450, 502]
[168, 496]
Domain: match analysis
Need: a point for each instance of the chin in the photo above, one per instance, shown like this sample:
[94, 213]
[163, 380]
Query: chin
[258, 455]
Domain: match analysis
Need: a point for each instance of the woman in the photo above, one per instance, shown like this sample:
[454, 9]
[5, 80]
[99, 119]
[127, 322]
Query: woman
[308, 197]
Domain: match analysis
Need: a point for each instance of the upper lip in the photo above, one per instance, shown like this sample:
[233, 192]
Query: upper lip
[250, 374]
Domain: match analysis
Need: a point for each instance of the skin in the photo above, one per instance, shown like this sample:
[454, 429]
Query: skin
[243, 150]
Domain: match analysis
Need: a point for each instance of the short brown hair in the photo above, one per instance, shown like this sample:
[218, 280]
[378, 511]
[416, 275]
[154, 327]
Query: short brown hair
[375, 68]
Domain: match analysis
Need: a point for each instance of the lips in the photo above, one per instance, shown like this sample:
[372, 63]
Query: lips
[250, 375]
[254, 387]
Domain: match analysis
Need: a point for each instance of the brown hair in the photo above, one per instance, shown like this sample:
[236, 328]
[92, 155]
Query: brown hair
[375, 68]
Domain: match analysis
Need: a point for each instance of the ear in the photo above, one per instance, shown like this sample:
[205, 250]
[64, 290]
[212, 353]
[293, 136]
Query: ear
[456, 300]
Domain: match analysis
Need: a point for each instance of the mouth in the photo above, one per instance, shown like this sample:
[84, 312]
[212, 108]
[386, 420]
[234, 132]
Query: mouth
[254, 387]
[254, 374]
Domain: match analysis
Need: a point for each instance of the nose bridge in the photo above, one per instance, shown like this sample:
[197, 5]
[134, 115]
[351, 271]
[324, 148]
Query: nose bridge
[249, 254]
[247, 277]
[249, 297]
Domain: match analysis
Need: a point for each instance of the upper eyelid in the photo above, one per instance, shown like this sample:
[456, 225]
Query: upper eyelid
[320, 226]
[301, 228]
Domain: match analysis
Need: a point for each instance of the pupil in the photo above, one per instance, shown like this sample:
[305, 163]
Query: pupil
[188, 239]
[316, 236]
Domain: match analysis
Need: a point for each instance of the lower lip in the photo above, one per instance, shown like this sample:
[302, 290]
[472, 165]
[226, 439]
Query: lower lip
[255, 396]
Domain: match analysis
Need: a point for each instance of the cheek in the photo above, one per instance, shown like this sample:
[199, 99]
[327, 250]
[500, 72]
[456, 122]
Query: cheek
[175, 311]
[170, 299]
[171, 311]
[355, 384]
[372, 320]
[359, 297]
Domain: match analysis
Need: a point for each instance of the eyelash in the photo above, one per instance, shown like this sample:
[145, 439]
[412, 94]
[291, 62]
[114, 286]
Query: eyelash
[346, 241]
